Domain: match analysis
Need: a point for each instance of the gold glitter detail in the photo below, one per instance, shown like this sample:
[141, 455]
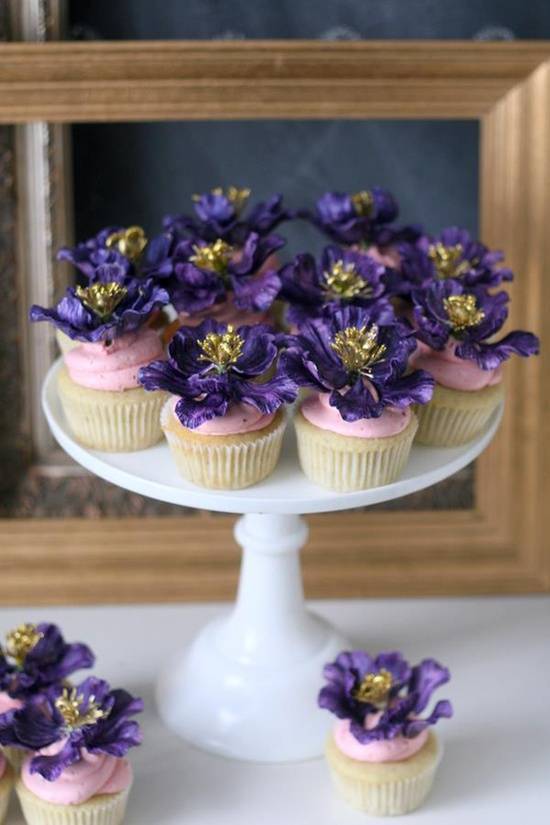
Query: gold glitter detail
[69, 705]
[462, 311]
[363, 202]
[446, 260]
[102, 299]
[130, 242]
[20, 642]
[213, 257]
[375, 688]
[343, 281]
[222, 350]
[238, 197]
[357, 348]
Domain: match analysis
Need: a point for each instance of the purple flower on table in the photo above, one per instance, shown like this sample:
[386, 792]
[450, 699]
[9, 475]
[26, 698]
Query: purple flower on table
[219, 214]
[450, 311]
[361, 364]
[112, 245]
[35, 657]
[111, 305]
[215, 365]
[386, 688]
[200, 274]
[452, 254]
[341, 277]
[353, 219]
[89, 716]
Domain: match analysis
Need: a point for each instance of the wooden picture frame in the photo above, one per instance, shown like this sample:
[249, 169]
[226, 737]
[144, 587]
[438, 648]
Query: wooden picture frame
[500, 545]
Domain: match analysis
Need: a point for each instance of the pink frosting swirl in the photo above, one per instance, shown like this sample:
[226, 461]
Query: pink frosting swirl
[7, 703]
[240, 418]
[383, 750]
[317, 410]
[451, 371]
[113, 367]
[96, 773]
[388, 256]
[225, 313]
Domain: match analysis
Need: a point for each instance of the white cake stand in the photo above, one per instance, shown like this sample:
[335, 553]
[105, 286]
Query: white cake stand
[247, 687]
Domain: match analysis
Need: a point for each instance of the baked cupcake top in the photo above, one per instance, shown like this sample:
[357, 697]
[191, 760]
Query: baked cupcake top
[383, 696]
[112, 304]
[449, 311]
[214, 366]
[36, 656]
[341, 277]
[120, 245]
[362, 365]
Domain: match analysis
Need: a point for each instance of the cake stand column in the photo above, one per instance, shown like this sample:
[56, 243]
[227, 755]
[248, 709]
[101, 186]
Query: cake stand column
[247, 686]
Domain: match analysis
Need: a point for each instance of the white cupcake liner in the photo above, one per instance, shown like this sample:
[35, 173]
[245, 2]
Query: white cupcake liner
[224, 466]
[345, 463]
[6, 783]
[106, 809]
[15, 756]
[444, 424]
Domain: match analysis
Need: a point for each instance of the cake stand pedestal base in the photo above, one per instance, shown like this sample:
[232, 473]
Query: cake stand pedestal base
[247, 688]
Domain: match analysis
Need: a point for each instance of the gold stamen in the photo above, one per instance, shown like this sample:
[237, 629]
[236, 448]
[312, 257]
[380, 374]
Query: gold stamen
[21, 640]
[213, 257]
[343, 281]
[358, 349]
[222, 350]
[363, 203]
[463, 312]
[375, 688]
[130, 242]
[69, 705]
[447, 260]
[101, 298]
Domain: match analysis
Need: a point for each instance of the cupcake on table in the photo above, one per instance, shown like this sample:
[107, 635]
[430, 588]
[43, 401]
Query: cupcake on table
[104, 405]
[224, 421]
[221, 262]
[382, 754]
[75, 739]
[33, 658]
[356, 429]
[456, 328]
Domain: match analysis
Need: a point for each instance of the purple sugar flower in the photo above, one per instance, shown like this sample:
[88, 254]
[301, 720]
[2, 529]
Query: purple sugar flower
[111, 305]
[219, 214]
[360, 685]
[362, 365]
[90, 716]
[36, 657]
[214, 365]
[352, 219]
[202, 274]
[450, 311]
[452, 254]
[342, 277]
[112, 245]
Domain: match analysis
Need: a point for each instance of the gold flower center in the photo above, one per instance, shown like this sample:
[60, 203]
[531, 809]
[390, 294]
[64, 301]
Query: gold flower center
[130, 242]
[463, 312]
[363, 203]
[343, 281]
[101, 298]
[374, 688]
[213, 257]
[222, 350]
[358, 349]
[237, 197]
[20, 642]
[69, 704]
[447, 260]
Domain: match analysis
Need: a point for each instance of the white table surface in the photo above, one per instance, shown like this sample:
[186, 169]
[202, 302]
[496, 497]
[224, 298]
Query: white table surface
[496, 768]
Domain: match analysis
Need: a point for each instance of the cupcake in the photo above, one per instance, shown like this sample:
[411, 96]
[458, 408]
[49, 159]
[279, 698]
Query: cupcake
[381, 753]
[76, 739]
[104, 405]
[33, 658]
[356, 429]
[6, 785]
[456, 325]
[224, 421]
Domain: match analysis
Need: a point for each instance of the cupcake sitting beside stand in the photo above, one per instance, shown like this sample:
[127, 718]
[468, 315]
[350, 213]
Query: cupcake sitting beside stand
[225, 421]
[381, 753]
[356, 430]
[98, 388]
[76, 739]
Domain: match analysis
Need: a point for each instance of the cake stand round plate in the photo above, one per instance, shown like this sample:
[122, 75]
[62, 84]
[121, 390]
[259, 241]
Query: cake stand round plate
[247, 686]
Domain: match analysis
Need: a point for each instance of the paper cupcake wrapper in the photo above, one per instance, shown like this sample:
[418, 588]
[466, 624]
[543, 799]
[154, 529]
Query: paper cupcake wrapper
[220, 466]
[6, 783]
[107, 809]
[112, 421]
[346, 464]
[15, 757]
[65, 343]
[450, 419]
